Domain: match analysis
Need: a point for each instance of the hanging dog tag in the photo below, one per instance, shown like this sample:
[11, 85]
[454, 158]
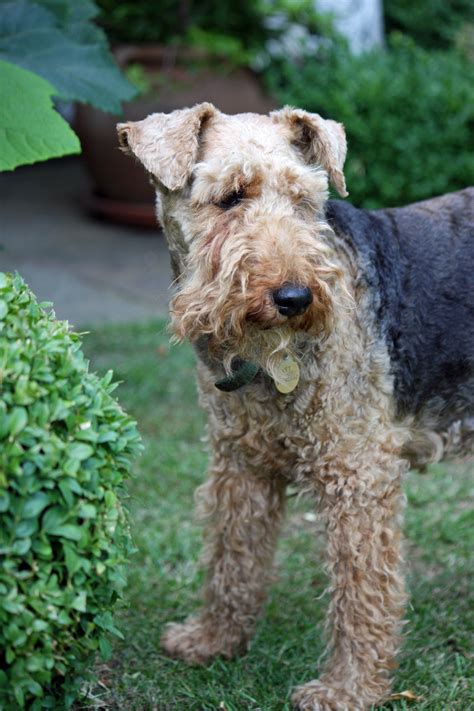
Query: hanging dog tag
[289, 376]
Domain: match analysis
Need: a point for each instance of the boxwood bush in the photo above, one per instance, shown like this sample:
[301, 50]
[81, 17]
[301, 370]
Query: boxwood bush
[65, 449]
[408, 113]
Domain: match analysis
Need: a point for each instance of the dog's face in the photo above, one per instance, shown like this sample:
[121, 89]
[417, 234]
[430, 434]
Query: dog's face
[240, 199]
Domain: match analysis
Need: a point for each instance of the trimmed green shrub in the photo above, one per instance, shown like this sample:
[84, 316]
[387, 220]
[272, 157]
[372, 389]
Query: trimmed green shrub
[408, 114]
[65, 449]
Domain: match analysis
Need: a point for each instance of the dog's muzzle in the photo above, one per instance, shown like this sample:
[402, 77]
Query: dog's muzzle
[292, 300]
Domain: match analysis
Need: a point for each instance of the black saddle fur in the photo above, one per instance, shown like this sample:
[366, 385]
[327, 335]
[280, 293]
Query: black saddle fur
[419, 263]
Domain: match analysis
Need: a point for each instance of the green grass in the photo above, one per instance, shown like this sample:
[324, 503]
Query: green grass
[437, 661]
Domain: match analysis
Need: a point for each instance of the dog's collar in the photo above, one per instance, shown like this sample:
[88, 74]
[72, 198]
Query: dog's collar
[242, 373]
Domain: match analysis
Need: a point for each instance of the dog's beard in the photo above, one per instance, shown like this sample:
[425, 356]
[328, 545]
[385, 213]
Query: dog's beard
[238, 334]
[229, 301]
[267, 348]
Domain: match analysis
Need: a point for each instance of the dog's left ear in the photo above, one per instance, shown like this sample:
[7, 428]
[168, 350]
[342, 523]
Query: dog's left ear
[321, 140]
[166, 144]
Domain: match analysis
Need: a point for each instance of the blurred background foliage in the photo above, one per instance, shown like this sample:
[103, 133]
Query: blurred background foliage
[168, 21]
[239, 32]
[408, 107]
[408, 114]
[433, 24]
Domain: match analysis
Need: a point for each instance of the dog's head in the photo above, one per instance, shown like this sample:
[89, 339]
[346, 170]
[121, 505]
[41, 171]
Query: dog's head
[241, 202]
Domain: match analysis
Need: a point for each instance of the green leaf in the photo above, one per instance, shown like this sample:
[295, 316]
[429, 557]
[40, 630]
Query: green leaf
[26, 528]
[19, 695]
[106, 623]
[58, 42]
[4, 501]
[22, 546]
[71, 466]
[13, 632]
[105, 648]
[87, 511]
[34, 505]
[65, 489]
[17, 420]
[43, 548]
[34, 688]
[79, 451]
[66, 530]
[30, 129]
[3, 308]
[79, 602]
[54, 517]
[11, 606]
[73, 562]
[64, 618]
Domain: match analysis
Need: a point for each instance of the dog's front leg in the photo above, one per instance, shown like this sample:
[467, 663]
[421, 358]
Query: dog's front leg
[242, 509]
[362, 511]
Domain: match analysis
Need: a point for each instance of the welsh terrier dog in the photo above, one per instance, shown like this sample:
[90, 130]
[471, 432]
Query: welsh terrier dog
[335, 349]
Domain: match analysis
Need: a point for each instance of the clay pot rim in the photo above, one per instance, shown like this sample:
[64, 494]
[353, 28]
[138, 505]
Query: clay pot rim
[124, 212]
[161, 55]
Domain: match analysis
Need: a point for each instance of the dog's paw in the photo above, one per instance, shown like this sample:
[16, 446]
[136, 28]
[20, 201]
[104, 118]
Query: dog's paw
[316, 696]
[197, 642]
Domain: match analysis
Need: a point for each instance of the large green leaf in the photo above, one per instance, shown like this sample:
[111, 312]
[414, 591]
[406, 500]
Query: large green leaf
[55, 38]
[30, 129]
[70, 11]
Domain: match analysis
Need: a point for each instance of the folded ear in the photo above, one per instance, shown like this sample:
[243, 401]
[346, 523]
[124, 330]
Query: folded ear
[321, 140]
[166, 144]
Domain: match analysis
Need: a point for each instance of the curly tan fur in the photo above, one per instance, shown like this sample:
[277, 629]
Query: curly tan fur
[336, 436]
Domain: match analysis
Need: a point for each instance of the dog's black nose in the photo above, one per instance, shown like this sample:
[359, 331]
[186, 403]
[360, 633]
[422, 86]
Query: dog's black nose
[292, 300]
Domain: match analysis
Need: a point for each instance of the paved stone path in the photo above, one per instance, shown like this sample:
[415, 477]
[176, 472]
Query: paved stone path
[93, 271]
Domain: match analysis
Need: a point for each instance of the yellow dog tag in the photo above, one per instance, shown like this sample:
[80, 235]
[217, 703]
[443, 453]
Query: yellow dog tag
[289, 375]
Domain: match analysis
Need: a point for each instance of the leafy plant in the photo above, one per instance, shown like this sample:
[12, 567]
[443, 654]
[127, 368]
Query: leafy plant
[433, 24]
[237, 32]
[408, 114]
[65, 449]
[168, 21]
[215, 44]
[61, 53]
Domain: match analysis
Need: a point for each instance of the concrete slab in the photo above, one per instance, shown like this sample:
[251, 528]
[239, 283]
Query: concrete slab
[93, 271]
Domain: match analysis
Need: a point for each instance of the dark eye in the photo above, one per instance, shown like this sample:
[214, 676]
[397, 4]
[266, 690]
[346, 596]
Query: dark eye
[231, 200]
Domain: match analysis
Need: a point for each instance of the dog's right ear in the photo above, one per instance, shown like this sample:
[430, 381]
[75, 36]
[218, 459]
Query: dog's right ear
[166, 144]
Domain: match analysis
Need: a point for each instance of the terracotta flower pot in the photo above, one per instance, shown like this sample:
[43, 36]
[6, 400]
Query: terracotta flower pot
[121, 191]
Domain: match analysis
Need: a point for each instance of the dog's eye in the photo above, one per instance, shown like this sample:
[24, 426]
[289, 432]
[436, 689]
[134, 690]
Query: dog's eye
[231, 200]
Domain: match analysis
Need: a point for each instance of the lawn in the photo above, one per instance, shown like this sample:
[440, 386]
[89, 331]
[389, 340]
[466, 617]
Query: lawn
[437, 662]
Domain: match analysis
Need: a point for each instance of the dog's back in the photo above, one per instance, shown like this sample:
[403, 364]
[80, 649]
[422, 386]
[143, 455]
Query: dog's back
[419, 262]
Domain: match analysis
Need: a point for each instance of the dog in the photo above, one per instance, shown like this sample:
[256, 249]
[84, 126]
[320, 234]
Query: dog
[335, 350]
